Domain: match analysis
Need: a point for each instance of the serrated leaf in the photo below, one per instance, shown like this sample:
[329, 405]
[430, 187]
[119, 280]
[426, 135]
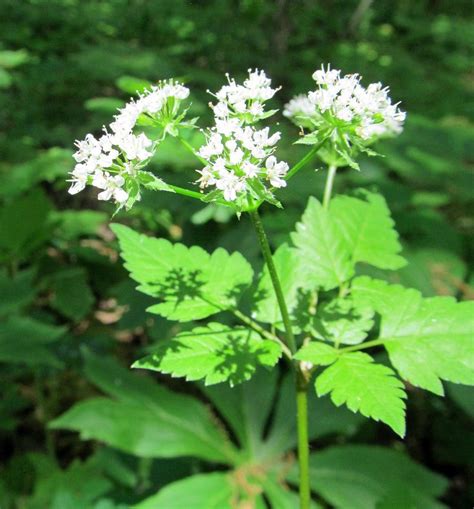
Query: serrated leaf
[216, 353]
[428, 340]
[361, 477]
[192, 283]
[368, 229]
[322, 248]
[342, 321]
[204, 491]
[366, 387]
[287, 264]
[317, 353]
[150, 181]
[165, 424]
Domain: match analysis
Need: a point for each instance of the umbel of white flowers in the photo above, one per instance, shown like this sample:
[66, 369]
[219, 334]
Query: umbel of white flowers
[367, 113]
[240, 157]
[112, 161]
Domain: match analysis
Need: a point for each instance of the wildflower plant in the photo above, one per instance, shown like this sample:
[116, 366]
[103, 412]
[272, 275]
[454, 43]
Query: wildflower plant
[310, 306]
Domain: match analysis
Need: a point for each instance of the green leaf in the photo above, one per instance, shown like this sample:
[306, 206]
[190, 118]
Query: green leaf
[428, 340]
[165, 424]
[10, 59]
[204, 491]
[72, 295]
[24, 225]
[150, 181]
[216, 353]
[463, 397]
[246, 408]
[322, 248]
[192, 283]
[132, 85]
[365, 387]
[281, 497]
[108, 105]
[25, 340]
[361, 477]
[317, 353]
[77, 223]
[16, 292]
[368, 229]
[287, 263]
[342, 321]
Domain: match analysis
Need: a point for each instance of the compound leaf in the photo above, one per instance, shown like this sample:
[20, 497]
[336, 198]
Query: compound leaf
[215, 353]
[191, 283]
[368, 229]
[365, 387]
[165, 424]
[322, 248]
[428, 340]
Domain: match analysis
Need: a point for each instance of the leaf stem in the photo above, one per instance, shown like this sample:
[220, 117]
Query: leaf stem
[306, 159]
[186, 192]
[329, 185]
[267, 255]
[263, 332]
[363, 346]
[303, 439]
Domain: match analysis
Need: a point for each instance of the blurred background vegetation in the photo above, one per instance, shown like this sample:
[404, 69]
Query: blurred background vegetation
[65, 66]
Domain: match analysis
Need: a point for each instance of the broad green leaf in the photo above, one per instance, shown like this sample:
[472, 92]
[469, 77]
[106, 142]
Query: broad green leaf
[23, 225]
[322, 248]
[428, 340]
[73, 224]
[165, 424]
[366, 387]
[204, 491]
[368, 229]
[246, 408]
[216, 353]
[72, 295]
[342, 321]
[192, 283]
[287, 263]
[10, 59]
[107, 105]
[317, 353]
[362, 477]
[16, 292]
[25, 340]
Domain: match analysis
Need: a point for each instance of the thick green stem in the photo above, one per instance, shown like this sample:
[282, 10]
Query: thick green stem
[329, 184]
[267, 255]
[303, 440]
[301, 381]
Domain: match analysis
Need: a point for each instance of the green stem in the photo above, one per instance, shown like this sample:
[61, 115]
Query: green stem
[187, 192]
[329, 184]
[267, 255]
[303, 440]
[363, 346]
[306, 159]
[301, 381]
[190, 149]
[263, 332]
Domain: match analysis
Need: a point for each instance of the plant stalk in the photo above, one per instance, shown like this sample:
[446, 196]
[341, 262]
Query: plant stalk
[303, 439]
[329, 185]
[301, 382]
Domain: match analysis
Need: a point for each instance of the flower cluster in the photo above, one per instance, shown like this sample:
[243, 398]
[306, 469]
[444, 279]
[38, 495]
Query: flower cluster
[112, 161]
[343, 103]
[239, 158]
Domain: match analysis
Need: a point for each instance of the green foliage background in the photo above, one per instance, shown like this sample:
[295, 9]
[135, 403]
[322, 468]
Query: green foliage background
[65, 66]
